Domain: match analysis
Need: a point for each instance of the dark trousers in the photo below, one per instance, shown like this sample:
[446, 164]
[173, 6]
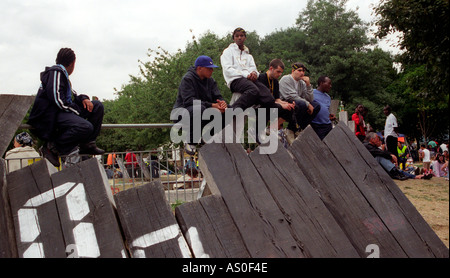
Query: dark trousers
[256, 93]
[302, 117]
[252, 93]
[391, 145]
[322, 130]
[73, 129]
[195, 138]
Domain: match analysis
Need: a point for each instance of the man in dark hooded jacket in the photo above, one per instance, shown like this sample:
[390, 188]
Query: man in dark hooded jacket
[60, 117]
[197, 85]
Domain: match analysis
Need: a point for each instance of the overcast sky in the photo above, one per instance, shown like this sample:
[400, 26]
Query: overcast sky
[110, 36]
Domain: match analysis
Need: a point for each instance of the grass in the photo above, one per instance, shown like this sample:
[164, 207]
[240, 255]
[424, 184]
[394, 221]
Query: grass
[431, 199]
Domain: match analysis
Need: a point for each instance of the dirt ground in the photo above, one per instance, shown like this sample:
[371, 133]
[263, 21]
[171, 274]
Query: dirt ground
[431, 199]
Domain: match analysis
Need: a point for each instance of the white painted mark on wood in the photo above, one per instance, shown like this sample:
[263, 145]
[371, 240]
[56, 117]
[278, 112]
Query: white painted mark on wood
[78, 207]
[159, 236]
[196, 244]
[86, 241]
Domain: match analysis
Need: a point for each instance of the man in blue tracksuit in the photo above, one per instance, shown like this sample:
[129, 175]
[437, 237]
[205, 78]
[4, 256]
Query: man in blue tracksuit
[60, 117]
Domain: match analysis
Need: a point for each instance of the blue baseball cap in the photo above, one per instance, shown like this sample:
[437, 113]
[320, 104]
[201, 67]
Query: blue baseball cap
[204, 61]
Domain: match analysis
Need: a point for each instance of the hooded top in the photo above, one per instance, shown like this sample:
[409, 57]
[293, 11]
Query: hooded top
[55, 94]
[237, 63]
[193, 88]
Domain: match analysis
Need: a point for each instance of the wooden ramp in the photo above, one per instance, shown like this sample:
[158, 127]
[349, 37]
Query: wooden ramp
[315, 199]
[13, 109]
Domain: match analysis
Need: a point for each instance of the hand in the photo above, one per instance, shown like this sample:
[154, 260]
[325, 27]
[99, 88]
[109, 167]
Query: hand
[310, 109]
[221, 105]
[394, 159]
[252, 76]
[287, 105]
[332, 117]
[88, 105]
[306, 79]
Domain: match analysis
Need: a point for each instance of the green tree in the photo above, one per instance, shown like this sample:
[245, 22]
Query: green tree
[424, 29]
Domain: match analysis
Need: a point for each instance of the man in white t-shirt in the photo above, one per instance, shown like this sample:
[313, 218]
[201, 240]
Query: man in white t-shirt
[426, 157]
[391, 131]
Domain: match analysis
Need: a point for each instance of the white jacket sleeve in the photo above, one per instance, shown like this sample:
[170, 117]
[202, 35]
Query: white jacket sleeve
[230, 71]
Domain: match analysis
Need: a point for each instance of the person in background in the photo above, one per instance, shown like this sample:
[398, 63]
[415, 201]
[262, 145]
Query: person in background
[358, 118]
[439, 165]
[131, 164]
[22, 153]
[388, 160]
[390, 131]
[402, 151]
[426, 158]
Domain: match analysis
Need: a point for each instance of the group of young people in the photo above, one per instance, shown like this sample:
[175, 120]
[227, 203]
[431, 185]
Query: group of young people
[70, 123]
[292, 96]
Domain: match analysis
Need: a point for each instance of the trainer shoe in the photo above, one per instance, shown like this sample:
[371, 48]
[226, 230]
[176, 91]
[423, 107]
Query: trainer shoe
[90, 148]
[190, 149]
[49, 155]
[290, 136]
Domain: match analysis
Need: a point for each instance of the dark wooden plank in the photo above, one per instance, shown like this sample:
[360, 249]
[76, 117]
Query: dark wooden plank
[230, 173]
[7, 238]
[310, 221]
[144, 168]
[342, 197]
[149, 225]
[209, 229]
[35, 214]
[13, 109]
[414, 235]
[87, 211]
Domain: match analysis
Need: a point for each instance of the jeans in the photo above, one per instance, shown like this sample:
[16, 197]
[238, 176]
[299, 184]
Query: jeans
[388, 166]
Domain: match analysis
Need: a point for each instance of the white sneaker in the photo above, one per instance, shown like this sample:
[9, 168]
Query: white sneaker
[290, 136]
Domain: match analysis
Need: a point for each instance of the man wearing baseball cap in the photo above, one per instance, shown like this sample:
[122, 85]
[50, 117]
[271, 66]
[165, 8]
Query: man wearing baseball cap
[197, 85]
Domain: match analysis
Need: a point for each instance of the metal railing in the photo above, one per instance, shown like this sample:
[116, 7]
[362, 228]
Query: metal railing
[169, 167]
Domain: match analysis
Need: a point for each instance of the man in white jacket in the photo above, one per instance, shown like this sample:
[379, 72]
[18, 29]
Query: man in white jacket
[241, 75]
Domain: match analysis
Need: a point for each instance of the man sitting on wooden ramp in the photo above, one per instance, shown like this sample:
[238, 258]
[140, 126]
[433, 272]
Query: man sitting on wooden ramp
[387, 160]
[63, 119]
[197, 85]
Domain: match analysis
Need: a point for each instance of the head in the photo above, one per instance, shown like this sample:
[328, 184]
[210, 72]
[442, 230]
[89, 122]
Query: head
[387, 110]
[440, 158]
[23, 139]
[324, 84]
[359, 109]
[422, 146]
[373, 139]
[204, 66]
[239, 36]
[365, 111]
[67, 58]
[276, 69]
[298, 71]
